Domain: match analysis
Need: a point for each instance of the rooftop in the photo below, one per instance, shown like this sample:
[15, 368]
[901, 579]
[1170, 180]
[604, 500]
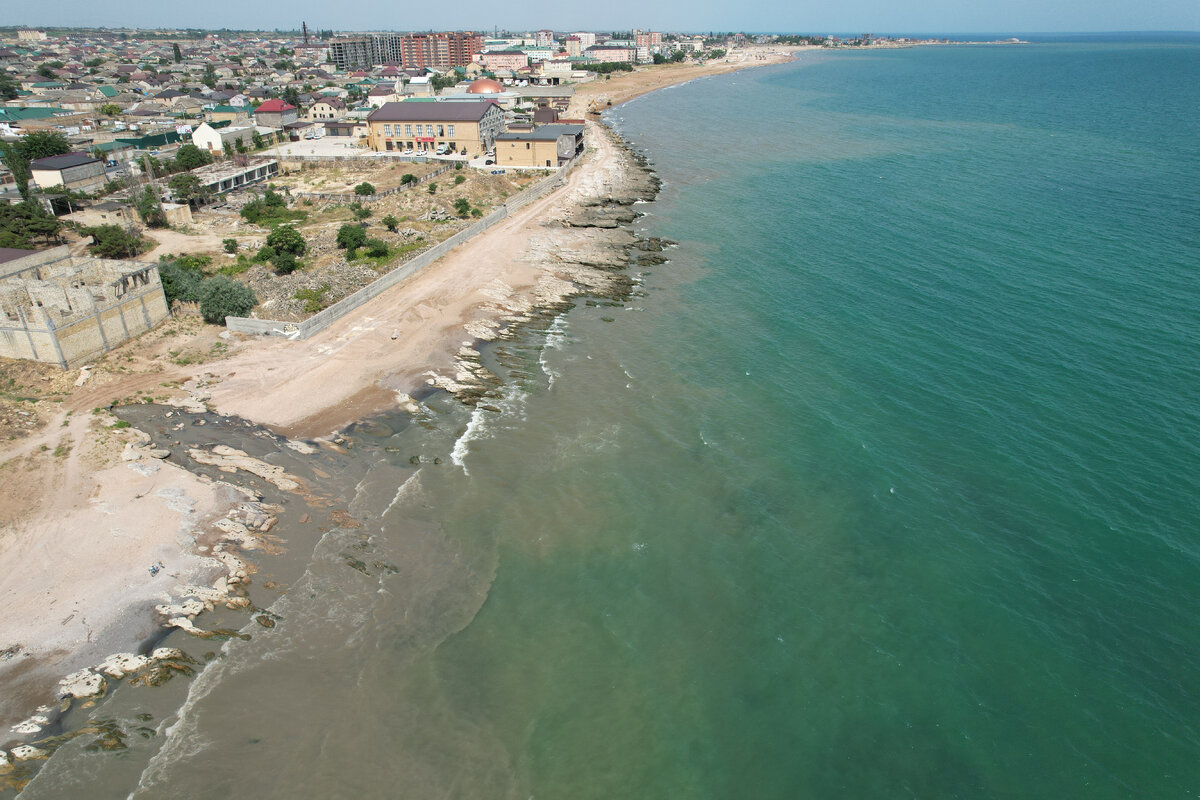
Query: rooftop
[65, 161]
[458, 111]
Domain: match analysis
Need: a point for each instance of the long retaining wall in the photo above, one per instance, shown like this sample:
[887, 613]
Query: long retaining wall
[326, 317]
[350, 197]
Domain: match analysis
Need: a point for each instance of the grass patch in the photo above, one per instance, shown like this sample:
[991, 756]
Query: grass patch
[314, 299]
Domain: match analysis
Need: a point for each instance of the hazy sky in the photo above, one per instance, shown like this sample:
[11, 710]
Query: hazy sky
[806, 16]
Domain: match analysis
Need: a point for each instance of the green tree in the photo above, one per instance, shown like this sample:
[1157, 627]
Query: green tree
[361, 212]
[110, 109]
[351, 237]
[230, 245]
[376, 248]
[210, 77]
[432, 188]
[14, 158]
[286, 239]
[23, 224]
[112, 241]
[390, 222]
[285, 263]
[187, 187]
[47, 72]
[9, 88]
[407, 178]
[462, 206]
[43, 144]
[150, 209]
[190, 157]
[180, 280]
[364, 189]
[176, 52]
[222, 297]
[459, 179]
[257, 140]
[291, 94]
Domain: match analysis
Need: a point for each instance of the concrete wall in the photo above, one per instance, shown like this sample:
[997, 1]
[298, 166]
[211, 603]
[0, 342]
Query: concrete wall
[36, 260]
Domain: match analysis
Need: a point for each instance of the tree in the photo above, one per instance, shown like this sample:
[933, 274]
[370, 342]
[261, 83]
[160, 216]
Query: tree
[9, 89]
[210, 77]
[176, 52]
[112, 241]
[432, 188]
[361, 212]
[190, 157]
[150, 209]
[376, 248]
[180, 280]
[462, 206]
[22, 224]
[187, 187]
[222, 297]
[390, 222]
[291, 95]
[286, 239]
[46, 72]
[407, 178]
[285, 263]
[230, 245]
[110, 109]
[364, 189]
[43, 144]
[14, 158]
[351, 237]
[257, 140]
[459, 179]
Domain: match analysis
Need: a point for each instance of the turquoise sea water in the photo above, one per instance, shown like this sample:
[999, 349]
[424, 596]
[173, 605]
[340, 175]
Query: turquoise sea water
[887, 485]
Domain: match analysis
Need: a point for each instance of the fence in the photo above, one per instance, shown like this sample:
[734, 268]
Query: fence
[326, 317]
[350, 197]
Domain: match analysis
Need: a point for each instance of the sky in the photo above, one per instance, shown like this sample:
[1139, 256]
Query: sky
[798, 16]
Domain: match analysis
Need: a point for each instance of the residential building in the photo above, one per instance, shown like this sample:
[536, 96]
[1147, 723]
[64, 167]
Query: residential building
[77, 172]
[275, 114]
[607, 53]
[586, 40]
[503, 59]
[545, 38]
[326, 108]
[206, 137]
[647, 39]
[440, 51]
[225, 176]
[469, 127]
[573, 46]
[544, 146]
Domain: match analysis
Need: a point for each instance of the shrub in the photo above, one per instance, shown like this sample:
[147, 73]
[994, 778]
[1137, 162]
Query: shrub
[112, 241]
[376, 248]
[458, 165]
[265, 253]
[285, 263]
[222, 297]
[364, 189]
[462, 206]
[476, 212]
[287, 239]
[360, 211]
[273, 199]
[180, 281]
[351, 237]
[230, 245]
[459, 179]
[432, 187]
[407, 178]
[190, 156]
[390, 222]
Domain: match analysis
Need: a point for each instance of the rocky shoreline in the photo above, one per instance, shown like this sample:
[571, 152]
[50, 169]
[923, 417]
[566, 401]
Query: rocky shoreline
[583, 249]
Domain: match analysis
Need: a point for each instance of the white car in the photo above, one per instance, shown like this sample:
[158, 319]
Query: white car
[408, 152]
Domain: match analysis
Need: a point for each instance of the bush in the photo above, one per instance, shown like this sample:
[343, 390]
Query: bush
[408, 178]
[351, 237]
[376, 248]
[476, 212]
[459, 179]
[273, 199]
[180, 281]
[230, 245]
[360, 211]
[190, 156]
[265, 253]
[364, 189]
[458, 165]
[286, 239]
[285, 263]
[390, 222]
[462, 206]
[432, 188]
[112, 241]
[222, 297]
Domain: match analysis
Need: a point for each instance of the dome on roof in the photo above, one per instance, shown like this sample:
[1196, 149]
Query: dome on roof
[484, 86]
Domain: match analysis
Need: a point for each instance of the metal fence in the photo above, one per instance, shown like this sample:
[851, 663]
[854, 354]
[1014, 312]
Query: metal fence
[326, 317]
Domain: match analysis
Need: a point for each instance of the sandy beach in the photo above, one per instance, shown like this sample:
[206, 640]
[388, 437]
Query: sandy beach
[80, 529]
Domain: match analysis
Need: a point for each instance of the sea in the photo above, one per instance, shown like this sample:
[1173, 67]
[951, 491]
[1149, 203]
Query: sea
[885, 485]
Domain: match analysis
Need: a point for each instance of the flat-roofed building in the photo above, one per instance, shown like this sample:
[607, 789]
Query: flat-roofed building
[469, 127]
[77, 172]
[544, 146]
[440, 51]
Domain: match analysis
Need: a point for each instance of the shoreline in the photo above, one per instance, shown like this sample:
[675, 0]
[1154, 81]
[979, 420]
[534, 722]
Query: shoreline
[574, 241]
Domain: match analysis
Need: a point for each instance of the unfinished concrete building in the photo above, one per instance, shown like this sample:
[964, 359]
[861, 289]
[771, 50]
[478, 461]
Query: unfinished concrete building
[65, 309]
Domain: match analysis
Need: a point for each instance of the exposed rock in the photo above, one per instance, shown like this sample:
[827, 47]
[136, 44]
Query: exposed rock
[228, 459]
[84, 683]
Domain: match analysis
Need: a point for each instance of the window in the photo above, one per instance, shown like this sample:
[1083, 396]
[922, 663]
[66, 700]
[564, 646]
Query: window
[451, 130]
[441, 130]
[387, 130]
[527, 145]
[429, 130]
[408, 130]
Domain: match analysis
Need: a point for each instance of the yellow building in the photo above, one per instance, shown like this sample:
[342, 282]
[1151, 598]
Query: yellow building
[468, 127]
[543, 146]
